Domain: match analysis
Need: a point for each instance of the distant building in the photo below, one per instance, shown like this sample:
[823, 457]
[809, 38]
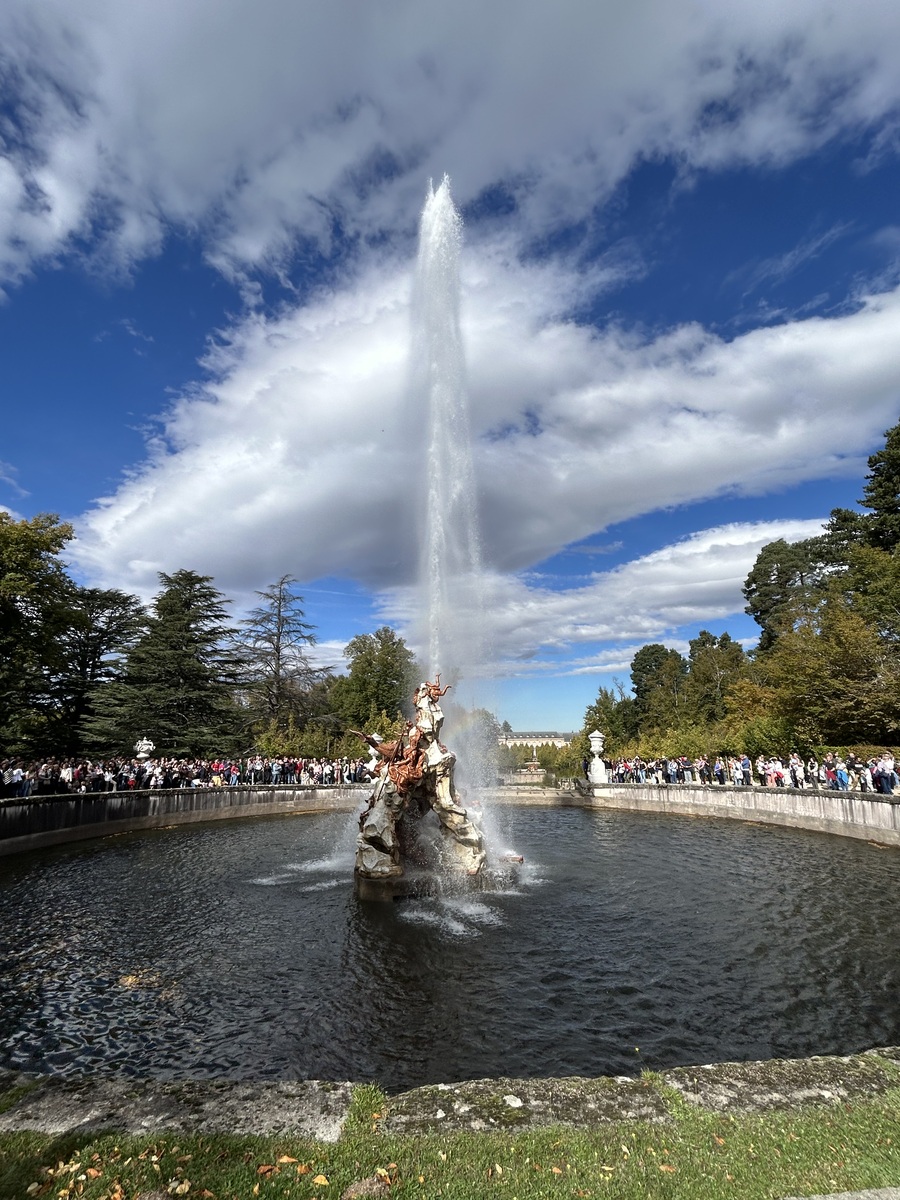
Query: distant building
[534, 740]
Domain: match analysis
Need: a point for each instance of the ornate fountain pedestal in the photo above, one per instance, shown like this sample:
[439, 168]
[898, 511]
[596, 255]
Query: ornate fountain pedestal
[597, 773]
[397, 854]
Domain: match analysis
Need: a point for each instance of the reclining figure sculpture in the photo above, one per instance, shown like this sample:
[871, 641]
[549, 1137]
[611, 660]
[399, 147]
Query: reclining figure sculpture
[415, 775]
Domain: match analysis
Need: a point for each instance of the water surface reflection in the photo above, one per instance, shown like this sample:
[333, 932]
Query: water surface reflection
[239, 950]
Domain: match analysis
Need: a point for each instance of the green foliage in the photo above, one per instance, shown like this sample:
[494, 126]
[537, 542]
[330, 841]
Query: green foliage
[33, 598]
[277, 675]
[614, 715]
[785, 576]
[100, 626]
[659, 679]
[834, 679]
[178, 681]
[881, 494]
[714, 664]
[382, 677]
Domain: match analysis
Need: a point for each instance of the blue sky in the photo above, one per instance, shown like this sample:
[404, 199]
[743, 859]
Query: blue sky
[680, 299]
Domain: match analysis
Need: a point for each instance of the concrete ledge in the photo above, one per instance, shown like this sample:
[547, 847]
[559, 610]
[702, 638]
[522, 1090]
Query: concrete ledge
[61, 1105]
[867, 816]
[50, 820]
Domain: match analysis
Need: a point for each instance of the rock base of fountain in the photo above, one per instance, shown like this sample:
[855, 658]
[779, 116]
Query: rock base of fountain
[422, 883]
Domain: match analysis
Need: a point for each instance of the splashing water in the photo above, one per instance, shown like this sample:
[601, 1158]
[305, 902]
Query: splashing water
[450, 573]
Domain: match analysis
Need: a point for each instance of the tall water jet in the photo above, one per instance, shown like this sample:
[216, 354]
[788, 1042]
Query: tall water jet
[416, 772]
[450, 574]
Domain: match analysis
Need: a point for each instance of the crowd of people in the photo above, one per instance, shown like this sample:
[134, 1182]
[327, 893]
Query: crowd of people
[833, 772]
[53, 777]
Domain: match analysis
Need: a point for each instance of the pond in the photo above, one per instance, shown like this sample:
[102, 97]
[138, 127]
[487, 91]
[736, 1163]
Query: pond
[239, 950]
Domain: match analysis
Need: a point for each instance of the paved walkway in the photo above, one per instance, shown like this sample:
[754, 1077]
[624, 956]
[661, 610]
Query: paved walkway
[890, 1193]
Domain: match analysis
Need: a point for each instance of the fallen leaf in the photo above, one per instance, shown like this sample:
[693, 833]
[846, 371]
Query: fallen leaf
[304, 1169]
[719, 1141]
[667, 1168]
[421, 1179]
[286, 1158]
[556, 1170]
[94, 1173]
[266, 1169]
[321, 1181]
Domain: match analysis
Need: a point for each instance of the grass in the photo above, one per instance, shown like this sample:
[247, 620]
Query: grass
[693, 1154]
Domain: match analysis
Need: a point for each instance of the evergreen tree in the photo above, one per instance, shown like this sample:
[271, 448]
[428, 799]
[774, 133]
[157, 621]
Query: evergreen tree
[100, 625]
[658, 677]
[881, 494]
[784, 575]
[178, 679]
[613, 714]
[275, 639]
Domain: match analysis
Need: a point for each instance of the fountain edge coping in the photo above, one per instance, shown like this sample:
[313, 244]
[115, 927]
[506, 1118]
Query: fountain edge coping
[57, 1104]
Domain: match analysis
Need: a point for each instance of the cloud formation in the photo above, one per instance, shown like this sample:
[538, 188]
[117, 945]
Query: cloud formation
[269, 130]
[254, 123]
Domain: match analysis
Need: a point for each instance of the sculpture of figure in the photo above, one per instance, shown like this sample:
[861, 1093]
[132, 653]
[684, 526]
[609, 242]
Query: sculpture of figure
[415, 775]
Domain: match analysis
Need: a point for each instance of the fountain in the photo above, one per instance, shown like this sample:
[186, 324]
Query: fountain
[416, 774]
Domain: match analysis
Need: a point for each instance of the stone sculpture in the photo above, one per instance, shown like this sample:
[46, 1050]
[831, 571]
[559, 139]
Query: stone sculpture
[416, 776]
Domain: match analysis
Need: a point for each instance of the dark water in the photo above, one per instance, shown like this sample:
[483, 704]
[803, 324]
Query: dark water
[239, 950]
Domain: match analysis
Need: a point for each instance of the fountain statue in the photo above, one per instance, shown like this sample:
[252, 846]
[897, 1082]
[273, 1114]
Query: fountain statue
[415, 777]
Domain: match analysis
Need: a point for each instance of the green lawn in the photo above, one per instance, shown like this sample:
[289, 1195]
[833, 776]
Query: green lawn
[693, 1154]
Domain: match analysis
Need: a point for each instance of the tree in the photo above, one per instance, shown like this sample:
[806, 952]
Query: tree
[382, 676]
[834, 679]
[612, 714]
[714, 664]
[33, 590]
[658, 677]
[178, 679]
[881, 494]
[100, 625]
[783, 575]
[275, 641]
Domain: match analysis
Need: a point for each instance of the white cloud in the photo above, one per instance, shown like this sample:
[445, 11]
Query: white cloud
[253, 126]
[694, 581]
[303, 452]
[251, 122]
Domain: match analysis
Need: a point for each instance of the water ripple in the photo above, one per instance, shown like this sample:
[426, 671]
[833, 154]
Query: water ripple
[241, 950]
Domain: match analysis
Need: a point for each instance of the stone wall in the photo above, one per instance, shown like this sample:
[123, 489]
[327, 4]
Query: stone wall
[49, 820]
[46, 821]
[863, 815]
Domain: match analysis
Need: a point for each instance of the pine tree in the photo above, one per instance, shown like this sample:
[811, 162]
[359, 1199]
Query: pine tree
[278, 675]
[881, 494]
[178, 683]
[100, 625]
